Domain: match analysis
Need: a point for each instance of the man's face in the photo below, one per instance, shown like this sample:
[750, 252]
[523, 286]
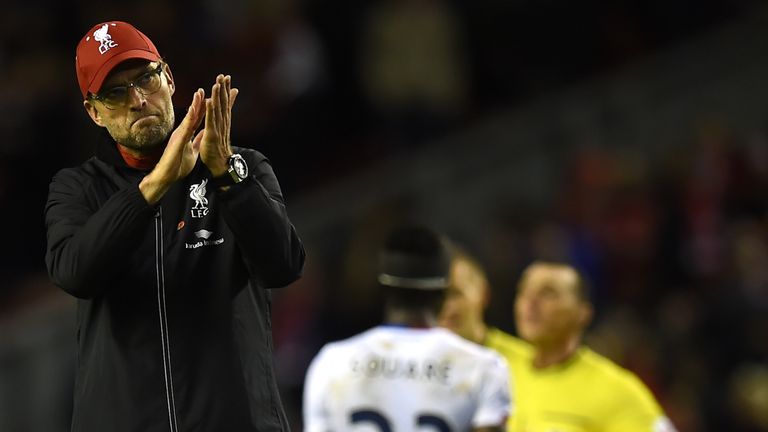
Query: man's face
[145, 120]
[465, 300]
[548, 309]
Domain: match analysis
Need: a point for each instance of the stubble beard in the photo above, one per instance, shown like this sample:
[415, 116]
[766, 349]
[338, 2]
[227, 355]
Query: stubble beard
[148, 138]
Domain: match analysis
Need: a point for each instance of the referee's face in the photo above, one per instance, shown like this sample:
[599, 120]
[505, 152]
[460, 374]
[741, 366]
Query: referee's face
[548, 309]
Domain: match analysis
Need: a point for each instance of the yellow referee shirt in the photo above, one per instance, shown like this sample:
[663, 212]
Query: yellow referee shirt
[587, 393]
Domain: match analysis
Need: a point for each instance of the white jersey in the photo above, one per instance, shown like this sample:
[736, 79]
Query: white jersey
[404, 379]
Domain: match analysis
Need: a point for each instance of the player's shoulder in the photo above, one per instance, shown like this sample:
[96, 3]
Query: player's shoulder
[467, 348]
[625, 390]
[619, 378]
[349, 343]
[602, 364]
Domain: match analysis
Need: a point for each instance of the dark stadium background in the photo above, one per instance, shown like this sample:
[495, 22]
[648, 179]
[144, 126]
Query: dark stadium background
[627, 136]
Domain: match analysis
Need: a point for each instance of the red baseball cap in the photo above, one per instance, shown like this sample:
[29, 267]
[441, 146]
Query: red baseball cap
[105, 46]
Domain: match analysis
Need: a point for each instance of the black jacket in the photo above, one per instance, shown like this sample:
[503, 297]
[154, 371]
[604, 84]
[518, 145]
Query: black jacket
[174, 330]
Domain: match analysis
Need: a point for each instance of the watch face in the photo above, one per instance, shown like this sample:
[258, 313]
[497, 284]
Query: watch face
[241, 169]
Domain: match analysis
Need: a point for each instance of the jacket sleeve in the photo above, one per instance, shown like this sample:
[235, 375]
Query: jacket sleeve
[87, 245]
[255, 212]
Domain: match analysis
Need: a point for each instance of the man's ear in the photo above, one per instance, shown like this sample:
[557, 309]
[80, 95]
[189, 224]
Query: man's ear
[586, 312]
[93, 112]
[486, 294]
[169, 76]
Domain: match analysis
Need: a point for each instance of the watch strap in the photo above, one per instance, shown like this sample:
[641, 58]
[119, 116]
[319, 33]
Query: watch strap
[230, 177]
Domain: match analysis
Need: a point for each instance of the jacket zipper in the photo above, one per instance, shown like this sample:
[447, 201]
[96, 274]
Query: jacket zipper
[163, 315]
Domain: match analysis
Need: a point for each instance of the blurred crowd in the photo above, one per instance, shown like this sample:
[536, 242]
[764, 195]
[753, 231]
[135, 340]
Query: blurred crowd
[675, 244]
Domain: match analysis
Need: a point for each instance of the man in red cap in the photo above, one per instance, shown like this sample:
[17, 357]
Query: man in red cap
[170, 240]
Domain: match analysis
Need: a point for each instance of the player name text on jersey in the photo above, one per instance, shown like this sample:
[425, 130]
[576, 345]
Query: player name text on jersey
[374, 366]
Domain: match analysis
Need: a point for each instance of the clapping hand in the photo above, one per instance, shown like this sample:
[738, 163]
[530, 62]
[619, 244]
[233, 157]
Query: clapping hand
[215, 146]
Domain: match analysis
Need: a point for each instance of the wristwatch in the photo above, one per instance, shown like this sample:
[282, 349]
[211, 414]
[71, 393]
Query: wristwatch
[237, 172]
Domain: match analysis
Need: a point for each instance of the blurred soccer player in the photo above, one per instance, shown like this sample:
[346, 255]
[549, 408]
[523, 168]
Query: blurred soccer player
[406, 374]
[467, 298]
[562, 385]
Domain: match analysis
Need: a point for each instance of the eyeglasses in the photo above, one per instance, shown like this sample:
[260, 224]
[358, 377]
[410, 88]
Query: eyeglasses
[118, 96]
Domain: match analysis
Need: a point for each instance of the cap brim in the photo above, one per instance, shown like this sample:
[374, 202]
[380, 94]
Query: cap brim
[110, 64]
